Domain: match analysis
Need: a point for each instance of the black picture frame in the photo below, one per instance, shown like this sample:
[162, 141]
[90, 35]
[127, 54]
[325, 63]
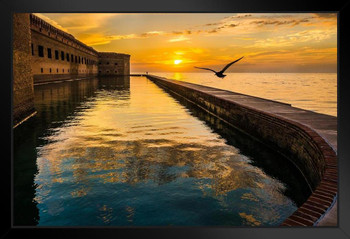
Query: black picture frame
[342, 8]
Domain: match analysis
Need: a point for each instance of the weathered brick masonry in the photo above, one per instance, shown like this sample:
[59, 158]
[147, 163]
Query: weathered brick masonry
[111, 63]
[23, 92]
[314, 157]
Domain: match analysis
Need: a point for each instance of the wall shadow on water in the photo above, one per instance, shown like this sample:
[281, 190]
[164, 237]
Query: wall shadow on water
[54, 104]
[271, 162]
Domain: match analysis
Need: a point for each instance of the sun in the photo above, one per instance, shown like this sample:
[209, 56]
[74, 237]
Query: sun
[176, 62]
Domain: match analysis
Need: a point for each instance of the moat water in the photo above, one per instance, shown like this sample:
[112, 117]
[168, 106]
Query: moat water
[123, 152]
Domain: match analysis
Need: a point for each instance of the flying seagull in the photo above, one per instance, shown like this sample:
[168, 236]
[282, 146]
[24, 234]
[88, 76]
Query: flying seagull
[220, 73]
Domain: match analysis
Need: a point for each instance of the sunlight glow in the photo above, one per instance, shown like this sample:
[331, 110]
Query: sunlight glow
[176, 62]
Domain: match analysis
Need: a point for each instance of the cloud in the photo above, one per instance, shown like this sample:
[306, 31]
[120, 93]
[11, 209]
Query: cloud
[218, 29]
[185, 32]
[242, 16]
[231, 25]
[292, 39]
[100, 39]
[292, 22]
[152, 33]
[178, 39]
[50, 21]
[255, 23]
[82, 21]
[325, 15]
[212, 24]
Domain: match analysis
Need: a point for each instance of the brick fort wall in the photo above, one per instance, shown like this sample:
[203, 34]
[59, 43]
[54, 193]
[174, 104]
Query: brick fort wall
[23, 91]
[111, 63]
[58, 55]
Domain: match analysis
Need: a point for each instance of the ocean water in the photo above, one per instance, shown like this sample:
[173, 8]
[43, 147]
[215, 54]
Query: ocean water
[123, 152]
[311, 91]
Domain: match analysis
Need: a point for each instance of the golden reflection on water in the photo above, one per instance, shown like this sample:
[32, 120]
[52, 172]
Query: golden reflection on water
[135, 134]
[250, 219]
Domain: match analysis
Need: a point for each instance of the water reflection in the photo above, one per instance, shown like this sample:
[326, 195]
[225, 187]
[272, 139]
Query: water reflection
[54, 103]
[273, 164]
[125, 153]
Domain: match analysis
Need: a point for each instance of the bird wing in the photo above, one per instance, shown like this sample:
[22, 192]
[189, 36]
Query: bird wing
[205, 69]
[228, 65]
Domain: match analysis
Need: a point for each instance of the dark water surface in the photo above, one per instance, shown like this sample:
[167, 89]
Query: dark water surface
[123, 152]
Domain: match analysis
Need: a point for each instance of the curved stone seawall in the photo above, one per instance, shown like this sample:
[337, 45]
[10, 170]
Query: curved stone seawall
[308, 138]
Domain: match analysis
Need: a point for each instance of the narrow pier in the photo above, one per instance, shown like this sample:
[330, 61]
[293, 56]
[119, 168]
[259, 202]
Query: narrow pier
[308, 138]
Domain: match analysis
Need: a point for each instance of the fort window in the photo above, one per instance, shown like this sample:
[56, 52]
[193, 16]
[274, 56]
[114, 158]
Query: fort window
[32, 49]
[49, 53]
[107, 63]
[62, 55]
[50, 70]
[79, 59]
[67, 56]
[71, 57]
[116, 64]
[57, 70]
[76, 59]
[41, 51]
[41, 70]
[63, 70]
[56, 54]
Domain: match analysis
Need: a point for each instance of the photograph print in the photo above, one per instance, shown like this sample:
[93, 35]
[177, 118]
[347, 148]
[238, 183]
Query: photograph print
[175, 119]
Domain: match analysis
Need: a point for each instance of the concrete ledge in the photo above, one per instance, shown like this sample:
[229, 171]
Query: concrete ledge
[308, 138]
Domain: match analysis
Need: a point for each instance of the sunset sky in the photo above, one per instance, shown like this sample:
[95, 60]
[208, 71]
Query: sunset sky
[274, 42]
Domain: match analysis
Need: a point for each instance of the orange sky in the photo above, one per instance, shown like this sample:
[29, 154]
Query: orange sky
[176, 42]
